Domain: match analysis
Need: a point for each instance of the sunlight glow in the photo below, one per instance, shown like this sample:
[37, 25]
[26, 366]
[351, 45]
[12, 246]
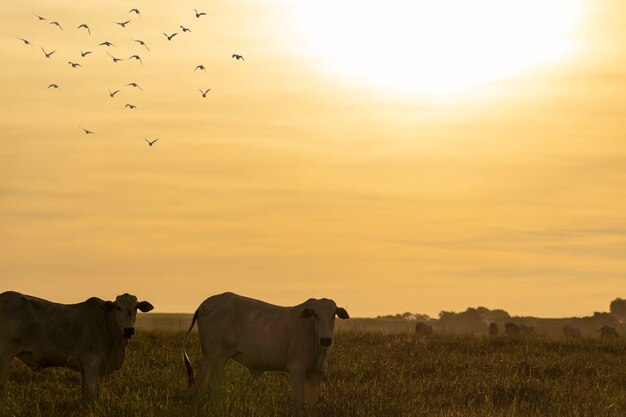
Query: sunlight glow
[435, 48]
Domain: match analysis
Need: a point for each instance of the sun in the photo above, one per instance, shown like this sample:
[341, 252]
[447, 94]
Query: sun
[435, 47]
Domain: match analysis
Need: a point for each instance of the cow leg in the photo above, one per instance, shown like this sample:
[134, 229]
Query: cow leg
[199, 386]
[297, 383]
[311, 387]
[5, 364]
[90, 378]
[217, 371]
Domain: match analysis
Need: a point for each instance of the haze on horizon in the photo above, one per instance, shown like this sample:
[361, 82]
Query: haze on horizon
[303, 175]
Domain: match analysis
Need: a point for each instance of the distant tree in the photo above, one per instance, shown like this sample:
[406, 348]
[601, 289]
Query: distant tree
[618, 308]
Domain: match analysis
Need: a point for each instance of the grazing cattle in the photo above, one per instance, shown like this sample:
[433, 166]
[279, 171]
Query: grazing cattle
[608, 332]
[571, 332]
[423, 329]
[88, 337]
[493, 329]
[265, 337]
[511, 328]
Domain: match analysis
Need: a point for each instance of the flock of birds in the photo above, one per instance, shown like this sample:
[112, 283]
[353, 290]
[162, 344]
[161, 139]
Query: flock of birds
[135, 57]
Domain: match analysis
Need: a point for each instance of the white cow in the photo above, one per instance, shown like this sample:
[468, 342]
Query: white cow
[88, 337]
[265, 337]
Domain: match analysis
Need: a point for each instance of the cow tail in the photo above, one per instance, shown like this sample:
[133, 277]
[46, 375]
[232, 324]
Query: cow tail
[188, 366]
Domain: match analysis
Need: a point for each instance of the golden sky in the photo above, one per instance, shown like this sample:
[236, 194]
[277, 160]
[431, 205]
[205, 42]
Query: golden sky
[484, 166]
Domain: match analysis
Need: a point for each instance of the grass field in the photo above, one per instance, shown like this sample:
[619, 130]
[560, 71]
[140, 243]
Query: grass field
[370, 374]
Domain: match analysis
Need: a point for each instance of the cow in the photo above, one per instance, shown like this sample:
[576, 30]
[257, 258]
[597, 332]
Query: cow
[571, 332]
[423, 329]
[493, 329]
[511, 328]
[264, 337]
[88, 337]
[608, 332]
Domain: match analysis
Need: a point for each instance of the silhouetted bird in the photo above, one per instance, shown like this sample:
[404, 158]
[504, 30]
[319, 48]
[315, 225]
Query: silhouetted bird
[136, 11]
[169, 37]
[48, 55]
[106, 43]
[151, 142]
[26, 42]
[84, 26]
[56, 24]
[137, 57]
[113, 93]
[140, 42]
[84, 54]
[200, 67]
[114, 59]
[87, 132]
[238, 57]
[123, 24]
[134, 85]
[53, 86]
[39, 17]
[204, 92]
[185, 29]
[130, 106]
[73, 64]
[199, 14]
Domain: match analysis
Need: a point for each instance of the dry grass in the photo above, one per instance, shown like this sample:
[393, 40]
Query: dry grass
[370, 374]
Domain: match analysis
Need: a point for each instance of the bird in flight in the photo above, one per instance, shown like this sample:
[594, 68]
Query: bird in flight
[238, 57]
[84, 54]
[130, 106]
[85, 27]
[73, 64]
[113, 93]
[150, 143]
[200, 67]
[123, 24]
[169, 37]
[134, 85]
[199, 14]
[53, 86]
[26, 41]
[185, 29]
[56, 24]
[114, 59]
[204, 93]
[140, 42]
[47, 54]
[106, 43]
[87, 132]
[137, 57]
[39, 17]
[136, 11]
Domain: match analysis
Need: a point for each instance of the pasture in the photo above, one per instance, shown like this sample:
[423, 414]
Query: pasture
[371, 373]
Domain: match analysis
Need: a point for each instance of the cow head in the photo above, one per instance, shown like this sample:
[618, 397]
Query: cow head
[125, 309]
[323, 313]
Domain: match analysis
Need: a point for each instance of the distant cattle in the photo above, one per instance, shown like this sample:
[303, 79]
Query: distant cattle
[513, 329]
[607, 332]
[493, 329]
[423, 329]
[265, 337]
[571, 332]
[88, 337]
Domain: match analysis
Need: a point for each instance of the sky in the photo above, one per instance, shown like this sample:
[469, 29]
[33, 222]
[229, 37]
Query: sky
[406, 157]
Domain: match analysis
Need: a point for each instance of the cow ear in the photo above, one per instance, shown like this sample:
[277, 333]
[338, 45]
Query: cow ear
[144, 306]
[307, 313]
[108, 306]
[342, 313]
